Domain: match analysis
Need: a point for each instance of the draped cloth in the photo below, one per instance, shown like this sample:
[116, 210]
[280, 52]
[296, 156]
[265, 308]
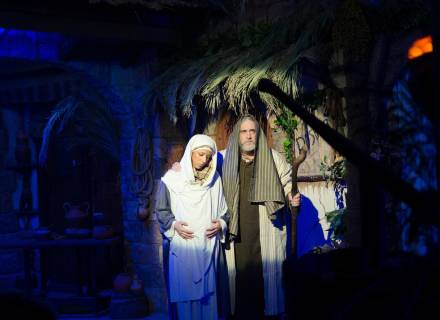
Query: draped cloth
[270, 183]
[192, 262]
[266, 188]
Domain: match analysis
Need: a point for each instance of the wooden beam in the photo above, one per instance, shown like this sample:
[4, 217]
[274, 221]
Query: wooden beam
[376, 170]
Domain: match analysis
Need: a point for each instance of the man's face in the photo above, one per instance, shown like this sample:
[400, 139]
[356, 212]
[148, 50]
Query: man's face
[248, 135]
[200, 158]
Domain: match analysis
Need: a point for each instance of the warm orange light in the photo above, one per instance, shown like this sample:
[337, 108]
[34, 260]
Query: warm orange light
[427, 47]
[414, 52]
[420, 47]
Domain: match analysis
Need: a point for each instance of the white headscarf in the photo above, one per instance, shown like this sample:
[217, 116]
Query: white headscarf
[185, 178]
[192, 274]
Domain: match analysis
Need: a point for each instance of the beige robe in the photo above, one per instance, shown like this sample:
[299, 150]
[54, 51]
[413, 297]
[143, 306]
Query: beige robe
[273, 248]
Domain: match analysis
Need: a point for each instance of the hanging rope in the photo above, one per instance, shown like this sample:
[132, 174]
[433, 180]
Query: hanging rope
[141, 153]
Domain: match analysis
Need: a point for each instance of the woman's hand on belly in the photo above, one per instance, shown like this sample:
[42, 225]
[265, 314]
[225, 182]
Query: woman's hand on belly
[214, 229]
[182, 230]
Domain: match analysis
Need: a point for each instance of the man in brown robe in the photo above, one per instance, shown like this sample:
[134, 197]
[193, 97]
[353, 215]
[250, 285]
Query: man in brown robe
[256, 182]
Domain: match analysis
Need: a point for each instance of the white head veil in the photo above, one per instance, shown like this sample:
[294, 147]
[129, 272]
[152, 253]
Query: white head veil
[185, 178]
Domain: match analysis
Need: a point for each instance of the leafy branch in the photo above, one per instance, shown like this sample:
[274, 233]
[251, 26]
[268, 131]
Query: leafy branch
[288, 122]
[333, 172]
[336, 220]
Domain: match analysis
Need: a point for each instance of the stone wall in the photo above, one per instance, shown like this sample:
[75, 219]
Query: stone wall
[122, 88]
[11, 260]
[142, 239]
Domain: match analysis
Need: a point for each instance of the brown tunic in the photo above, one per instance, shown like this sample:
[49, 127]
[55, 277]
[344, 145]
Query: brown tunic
[249, 281]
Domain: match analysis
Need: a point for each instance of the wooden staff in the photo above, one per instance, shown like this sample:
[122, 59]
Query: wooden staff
[294, 210]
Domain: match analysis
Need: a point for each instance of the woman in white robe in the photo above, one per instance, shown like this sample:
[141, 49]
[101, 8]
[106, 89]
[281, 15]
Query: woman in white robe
[191, 210]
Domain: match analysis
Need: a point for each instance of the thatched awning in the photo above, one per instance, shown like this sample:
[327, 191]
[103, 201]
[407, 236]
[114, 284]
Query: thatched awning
[225, 69]
[227, 73]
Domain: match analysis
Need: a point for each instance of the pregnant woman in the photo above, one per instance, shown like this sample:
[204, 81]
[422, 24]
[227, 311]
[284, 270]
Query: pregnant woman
[191, 210]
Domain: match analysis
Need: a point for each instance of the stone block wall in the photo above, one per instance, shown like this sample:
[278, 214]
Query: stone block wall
[11, 260]
[142, 239]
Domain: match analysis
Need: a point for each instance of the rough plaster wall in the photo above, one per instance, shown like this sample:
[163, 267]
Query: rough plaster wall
[322, 196]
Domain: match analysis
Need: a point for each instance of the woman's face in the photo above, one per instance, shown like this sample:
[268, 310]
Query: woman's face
[200, 158]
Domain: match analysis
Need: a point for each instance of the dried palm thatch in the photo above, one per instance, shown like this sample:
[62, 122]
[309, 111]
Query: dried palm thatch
[89, 113]
[227, 75]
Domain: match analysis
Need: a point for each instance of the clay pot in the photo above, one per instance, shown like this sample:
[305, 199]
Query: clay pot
[76, 215]
[137, 286]
[122, 282]
[142, 212]
[99, 219]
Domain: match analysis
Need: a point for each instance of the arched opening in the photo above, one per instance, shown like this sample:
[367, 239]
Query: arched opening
[76, 172]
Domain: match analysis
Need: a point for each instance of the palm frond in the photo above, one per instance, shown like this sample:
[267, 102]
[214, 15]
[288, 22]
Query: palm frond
[62, 113]
[89, 112]
[228, 76]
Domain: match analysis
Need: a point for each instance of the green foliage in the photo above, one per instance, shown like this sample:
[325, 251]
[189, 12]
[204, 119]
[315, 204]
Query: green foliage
[333, 172]
[288, 122]
[337, 225]
[287, 145]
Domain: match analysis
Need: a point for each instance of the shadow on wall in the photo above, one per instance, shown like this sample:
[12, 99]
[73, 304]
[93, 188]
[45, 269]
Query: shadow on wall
[310, 233]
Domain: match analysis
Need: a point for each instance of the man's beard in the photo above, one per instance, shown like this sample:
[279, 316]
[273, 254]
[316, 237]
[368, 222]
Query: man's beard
[247, 147]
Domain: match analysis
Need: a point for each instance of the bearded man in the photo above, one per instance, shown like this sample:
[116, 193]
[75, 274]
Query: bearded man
[257, 184]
